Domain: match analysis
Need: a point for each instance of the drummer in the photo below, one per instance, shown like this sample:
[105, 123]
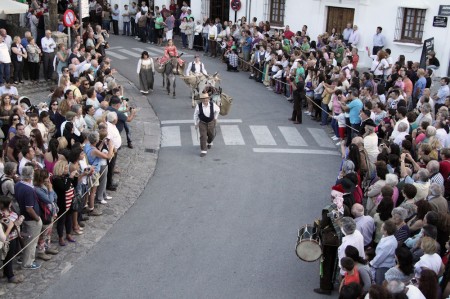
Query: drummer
[331, 236]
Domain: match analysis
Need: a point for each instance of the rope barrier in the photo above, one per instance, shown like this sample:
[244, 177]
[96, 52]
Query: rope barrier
[48, 226]
[308, 98]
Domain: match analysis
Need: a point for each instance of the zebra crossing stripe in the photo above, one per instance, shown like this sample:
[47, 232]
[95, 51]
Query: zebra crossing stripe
[295, 151]
[321, 137]
[262, 135]
[115, 55]
[195, 136]
[190, 121]
[232, 135]
[292, 136]
[128, 52]
[170, 136]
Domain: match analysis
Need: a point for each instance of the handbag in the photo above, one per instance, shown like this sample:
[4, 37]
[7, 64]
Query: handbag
[77, 202]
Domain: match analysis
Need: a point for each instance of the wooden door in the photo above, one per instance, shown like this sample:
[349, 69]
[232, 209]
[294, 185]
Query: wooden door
[220, 9]
[338, 17]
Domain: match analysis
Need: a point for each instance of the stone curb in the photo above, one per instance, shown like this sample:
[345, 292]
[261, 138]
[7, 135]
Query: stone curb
[137, 167]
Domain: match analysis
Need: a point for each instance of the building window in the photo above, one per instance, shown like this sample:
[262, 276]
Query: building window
[277, 12]
[410, 24]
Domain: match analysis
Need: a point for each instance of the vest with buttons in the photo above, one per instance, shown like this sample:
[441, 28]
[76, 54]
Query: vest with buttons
[202, 116]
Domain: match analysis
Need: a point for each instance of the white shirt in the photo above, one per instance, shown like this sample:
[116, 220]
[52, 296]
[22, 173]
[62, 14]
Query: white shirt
[48, 45]
[40, 126]
[75, 129]
[206, 111]
[4, 53]
[212, 34]
[396, 132]
[354, 38]
[11, 91]
[8, 40]
[430, 261]
[356, 240]
[371, 146]
[148, 63]
[414, 293]
[114, 135]
[197, 67]
[24, 162]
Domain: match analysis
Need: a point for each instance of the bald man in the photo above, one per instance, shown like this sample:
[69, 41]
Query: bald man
[48, 52]
[365, 224]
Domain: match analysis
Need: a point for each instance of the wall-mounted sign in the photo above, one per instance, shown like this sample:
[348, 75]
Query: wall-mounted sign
[439, 21]
[428, 45]
[444, 10]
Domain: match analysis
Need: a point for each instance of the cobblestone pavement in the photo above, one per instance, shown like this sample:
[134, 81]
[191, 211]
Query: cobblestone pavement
[137, 166]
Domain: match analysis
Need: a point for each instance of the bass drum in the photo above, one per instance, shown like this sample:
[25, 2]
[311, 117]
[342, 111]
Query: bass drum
[308, 247]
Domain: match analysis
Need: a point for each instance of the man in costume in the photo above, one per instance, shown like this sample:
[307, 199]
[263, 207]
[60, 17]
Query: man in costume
[205, 119]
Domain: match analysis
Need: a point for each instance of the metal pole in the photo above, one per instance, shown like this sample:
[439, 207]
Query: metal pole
[69, 40]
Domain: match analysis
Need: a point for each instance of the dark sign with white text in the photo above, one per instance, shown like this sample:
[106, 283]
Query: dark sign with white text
[440, 22]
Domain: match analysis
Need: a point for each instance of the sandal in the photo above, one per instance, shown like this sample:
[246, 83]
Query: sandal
[70, 239]
[76, 232]
[62, 243]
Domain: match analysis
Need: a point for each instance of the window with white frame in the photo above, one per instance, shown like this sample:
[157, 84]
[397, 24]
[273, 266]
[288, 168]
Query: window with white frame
[277, 12]
[410, 24]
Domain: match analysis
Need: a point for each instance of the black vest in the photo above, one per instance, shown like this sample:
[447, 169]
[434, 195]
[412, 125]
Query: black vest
[202, 116]
[193, 67]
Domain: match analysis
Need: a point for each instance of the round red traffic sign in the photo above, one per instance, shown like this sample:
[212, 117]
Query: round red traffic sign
[235, 5]
[69, 18]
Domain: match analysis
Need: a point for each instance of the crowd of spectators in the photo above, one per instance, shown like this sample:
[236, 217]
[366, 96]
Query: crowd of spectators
[392, 130]
[58, 157]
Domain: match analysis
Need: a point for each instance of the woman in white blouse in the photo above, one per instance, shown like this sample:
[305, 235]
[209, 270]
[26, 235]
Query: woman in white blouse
[146, 73]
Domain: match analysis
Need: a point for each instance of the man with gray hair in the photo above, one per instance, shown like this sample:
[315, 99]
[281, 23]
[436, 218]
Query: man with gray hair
[402, 132]
[436, 199]
[422, 184]
[435, 175]
[398, 287]
[365, 224]
[114, 136]
[32, 224]
[352, 236]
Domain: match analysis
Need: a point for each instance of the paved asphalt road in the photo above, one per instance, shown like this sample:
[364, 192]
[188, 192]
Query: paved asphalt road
[222, 226]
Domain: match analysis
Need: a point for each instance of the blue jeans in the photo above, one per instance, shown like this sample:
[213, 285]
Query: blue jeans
[324, 115]
[184, 39]
[126, 28]
[335, 127]
[205, 42]
[5, 73]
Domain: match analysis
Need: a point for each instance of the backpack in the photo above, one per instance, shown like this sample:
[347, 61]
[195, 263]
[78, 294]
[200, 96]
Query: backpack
[46, 213]
[2, 180]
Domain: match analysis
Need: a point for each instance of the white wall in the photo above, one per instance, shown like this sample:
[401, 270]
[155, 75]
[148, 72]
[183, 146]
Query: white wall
[368, 15]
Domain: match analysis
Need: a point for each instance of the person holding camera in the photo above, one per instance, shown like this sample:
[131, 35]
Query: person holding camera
[95, 156]
[122, 119]
[352, 105]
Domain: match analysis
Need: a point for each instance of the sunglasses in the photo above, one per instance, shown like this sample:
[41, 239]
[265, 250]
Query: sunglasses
[55, 104]
[31, 135]
[15, 118]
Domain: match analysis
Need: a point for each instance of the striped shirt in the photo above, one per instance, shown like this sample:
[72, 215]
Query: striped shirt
[70, 194]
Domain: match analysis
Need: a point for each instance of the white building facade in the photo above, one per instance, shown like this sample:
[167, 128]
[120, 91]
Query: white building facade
[406, 23]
